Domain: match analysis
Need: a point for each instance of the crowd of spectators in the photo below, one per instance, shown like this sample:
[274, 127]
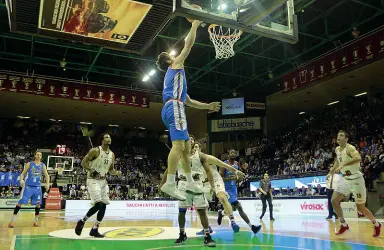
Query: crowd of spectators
[308, 148]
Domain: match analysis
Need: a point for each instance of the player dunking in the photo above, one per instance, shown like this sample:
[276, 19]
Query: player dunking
[173, 114]
[230, 181]
[31, 187]
[348, 162]
[199, 166]
[98, 162]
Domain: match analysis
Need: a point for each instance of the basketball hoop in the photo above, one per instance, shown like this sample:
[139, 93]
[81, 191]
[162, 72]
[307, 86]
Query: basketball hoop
[223, 39]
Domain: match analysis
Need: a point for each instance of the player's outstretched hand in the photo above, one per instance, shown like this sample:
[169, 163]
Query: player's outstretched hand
[214, 106]
[196, 23]
[22, 183]
[240, 175]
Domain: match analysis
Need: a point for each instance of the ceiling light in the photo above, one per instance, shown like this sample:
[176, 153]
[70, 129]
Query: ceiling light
[142, 128]
[145, 78]
[166, 130]
[301, 113]
[364, 93]
[86, 123]
[152, 72]
[172, 53]
[23, 117]
[53, 120]
[331, 103]
[59, 120]
[113, 125]
[222, 6]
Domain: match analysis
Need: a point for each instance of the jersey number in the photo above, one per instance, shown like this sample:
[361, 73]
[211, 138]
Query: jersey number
[358, 196]
[348, 173]
[106, 162]
[340, 159]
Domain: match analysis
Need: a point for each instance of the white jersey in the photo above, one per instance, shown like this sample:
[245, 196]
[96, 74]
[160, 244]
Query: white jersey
[103, 162]
[216, 175]
[350, 171]
[197, 168]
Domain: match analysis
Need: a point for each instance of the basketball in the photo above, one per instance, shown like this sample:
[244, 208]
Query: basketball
[196, 7]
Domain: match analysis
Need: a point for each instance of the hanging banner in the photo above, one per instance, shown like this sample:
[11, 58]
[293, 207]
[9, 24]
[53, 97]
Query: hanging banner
[83, 92]
[366, 49]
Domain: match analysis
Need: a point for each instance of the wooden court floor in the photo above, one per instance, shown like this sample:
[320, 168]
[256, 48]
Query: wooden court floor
[139, 230]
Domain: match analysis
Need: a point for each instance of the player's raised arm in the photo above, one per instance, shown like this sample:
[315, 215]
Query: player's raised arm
[93, 154]
[214, 161]
[189, 41]
[213, 106]
[112, 169]
[22, 182]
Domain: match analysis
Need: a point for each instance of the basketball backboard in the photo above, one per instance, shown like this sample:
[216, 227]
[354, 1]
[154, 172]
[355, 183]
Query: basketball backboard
[270, 18]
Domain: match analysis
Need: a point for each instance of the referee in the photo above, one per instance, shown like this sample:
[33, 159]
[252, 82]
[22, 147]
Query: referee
[266, 195]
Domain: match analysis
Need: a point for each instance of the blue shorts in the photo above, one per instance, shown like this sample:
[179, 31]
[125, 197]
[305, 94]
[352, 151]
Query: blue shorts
[173, 115]
[232, 196]
[32, 193]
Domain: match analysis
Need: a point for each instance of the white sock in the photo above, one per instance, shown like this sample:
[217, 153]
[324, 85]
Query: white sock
[376, 223]
[250, 224]
[13, 217]
[189, 177]
[36, 218]
[96, 225]
[171, 178]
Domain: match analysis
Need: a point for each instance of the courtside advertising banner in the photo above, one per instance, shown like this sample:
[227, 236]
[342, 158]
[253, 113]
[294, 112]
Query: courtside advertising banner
[249, 123]
[11, 203]
[111, 20]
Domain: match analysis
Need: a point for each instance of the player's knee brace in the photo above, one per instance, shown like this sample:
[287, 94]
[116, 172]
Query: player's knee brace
[182, 210]
[37, 210]
[17, 209]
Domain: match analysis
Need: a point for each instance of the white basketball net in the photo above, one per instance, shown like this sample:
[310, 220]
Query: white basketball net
[223, 39]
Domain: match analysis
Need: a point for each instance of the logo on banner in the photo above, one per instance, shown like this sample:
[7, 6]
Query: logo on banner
[312, 72]
[134, 232]
[101, 94]
[76, 96]
[317, 207]
[286, 86]
[382, 45]
[144, 102]
[333, 66]
[294, 83]
[111, 96]
[303, 76]
[27, 82]
[64, 90]
[133, 100]
[39, 85]
[1, 84]
[89, 92]
[368, 51]
[122, 99]
[14, 80]
[356, 58]
[51, 90]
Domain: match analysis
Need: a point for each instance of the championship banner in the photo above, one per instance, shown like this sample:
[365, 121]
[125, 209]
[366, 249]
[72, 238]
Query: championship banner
[255, 105]
[83, 92]
[369, 48]
[249, 123]
[111, 20]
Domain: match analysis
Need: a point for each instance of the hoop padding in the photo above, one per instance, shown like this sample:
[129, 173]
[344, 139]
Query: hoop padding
[223, 39]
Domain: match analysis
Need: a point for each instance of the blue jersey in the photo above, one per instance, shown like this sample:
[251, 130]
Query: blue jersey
[34, 174]
[229, 185]
[175, 85]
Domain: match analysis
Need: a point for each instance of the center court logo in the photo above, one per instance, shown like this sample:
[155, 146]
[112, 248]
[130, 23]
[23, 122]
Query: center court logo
[134, 232]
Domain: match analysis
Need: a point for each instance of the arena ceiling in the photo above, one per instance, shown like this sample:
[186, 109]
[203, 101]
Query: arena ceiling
[322, 25]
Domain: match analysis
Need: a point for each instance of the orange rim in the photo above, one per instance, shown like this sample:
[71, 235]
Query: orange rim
[213, 26]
